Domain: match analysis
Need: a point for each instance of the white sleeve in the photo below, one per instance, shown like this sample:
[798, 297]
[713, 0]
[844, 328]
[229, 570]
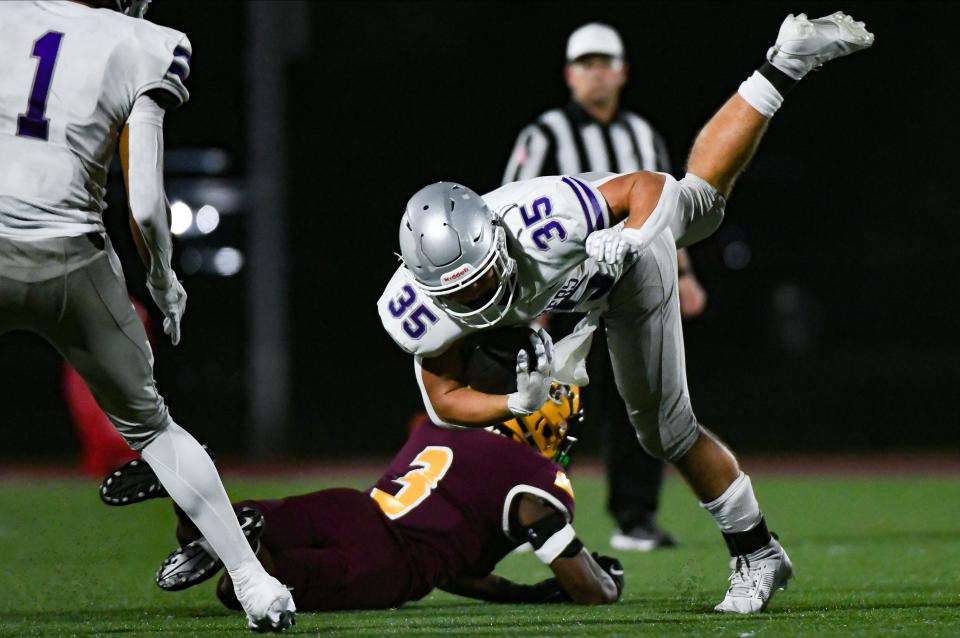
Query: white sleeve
[691, 208]
[148, 201]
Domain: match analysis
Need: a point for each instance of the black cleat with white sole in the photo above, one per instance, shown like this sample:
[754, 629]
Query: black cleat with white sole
[195, 562]
[133, 482]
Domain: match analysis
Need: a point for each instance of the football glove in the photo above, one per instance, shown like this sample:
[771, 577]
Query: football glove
[608, 247]
[546, 591]
[533, 378]
[171, 298]
[613, 568]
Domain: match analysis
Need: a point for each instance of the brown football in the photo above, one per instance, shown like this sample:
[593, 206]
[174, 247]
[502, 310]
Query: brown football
[491, 358]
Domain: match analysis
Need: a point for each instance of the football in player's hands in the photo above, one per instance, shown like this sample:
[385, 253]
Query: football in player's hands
[613, 568]
[491, 358]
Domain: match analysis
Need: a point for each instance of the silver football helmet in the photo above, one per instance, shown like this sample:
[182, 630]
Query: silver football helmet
[449, 241]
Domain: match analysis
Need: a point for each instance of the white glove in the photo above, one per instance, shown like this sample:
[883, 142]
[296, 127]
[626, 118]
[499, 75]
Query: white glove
[608, 247]
[533, 380]
[171, 298]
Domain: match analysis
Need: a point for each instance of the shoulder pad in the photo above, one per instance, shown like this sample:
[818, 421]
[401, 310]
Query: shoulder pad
[414, 321]
[564, 196]
[168, 54]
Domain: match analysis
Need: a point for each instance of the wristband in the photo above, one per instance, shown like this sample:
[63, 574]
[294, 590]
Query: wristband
[557, 545]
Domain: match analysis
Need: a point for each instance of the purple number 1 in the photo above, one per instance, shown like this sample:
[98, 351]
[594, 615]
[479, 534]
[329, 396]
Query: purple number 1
[32, 123]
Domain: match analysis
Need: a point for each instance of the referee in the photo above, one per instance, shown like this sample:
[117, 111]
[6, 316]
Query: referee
[592, 133]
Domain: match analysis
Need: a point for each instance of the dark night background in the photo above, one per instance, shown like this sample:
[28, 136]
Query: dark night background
[838, 335]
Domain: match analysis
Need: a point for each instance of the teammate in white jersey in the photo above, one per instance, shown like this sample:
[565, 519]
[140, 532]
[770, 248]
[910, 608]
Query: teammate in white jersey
[73, 76]
[606, 245]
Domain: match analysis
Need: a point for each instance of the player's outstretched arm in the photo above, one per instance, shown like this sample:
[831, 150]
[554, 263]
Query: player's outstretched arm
[580, 577]
[587, 579]
[141, 155]
[496, 589]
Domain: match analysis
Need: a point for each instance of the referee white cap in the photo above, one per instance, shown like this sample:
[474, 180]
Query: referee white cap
[594, 39]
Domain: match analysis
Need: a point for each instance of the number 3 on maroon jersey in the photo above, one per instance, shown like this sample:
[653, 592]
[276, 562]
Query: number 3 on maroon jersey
[430, 466]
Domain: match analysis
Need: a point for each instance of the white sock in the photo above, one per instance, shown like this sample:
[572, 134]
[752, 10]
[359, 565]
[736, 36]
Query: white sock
[189, 476]
[760, 93]
[736, 510]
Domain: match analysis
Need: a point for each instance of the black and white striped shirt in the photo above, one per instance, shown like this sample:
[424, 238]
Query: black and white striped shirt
[569, 140]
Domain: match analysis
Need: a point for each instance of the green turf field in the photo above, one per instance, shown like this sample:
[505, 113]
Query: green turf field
[874, 556]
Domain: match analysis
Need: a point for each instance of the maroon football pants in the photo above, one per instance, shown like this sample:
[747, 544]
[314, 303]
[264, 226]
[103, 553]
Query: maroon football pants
[334, 549]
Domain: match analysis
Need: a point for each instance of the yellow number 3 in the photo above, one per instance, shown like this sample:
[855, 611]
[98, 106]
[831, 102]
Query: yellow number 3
[430, 466]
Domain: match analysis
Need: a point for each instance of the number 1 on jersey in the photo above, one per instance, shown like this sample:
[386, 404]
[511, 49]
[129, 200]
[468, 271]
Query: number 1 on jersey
[32, 123]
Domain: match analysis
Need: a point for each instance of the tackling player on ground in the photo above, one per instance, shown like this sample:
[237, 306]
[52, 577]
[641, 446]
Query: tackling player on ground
[72, 76]
[605, 245]
[450, 506]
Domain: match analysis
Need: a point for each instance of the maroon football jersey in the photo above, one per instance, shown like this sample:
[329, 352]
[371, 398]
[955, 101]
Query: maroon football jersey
[448, 494]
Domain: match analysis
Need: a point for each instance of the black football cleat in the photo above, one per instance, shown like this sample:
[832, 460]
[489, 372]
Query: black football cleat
[133, 482]
[194, 563]
[187, 566]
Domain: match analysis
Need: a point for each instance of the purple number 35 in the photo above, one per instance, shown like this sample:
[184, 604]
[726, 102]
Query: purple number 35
[33, 123]
[551, 229]
[414, 325]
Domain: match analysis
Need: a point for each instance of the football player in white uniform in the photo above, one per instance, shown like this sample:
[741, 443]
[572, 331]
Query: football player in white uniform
[606, 245]
[73, 75]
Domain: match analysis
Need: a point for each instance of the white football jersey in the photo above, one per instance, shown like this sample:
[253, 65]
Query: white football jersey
[69, 76]
[547, 220]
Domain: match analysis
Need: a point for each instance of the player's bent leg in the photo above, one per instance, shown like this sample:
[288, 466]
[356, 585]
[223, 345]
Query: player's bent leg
[759, 565]
[728, 141]
[134, 482]
[314, 576]
[645, 340]
[708, 467]
[646, 349]
[191, 479]
[335, 550]
[101, 336]
[289, 522]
